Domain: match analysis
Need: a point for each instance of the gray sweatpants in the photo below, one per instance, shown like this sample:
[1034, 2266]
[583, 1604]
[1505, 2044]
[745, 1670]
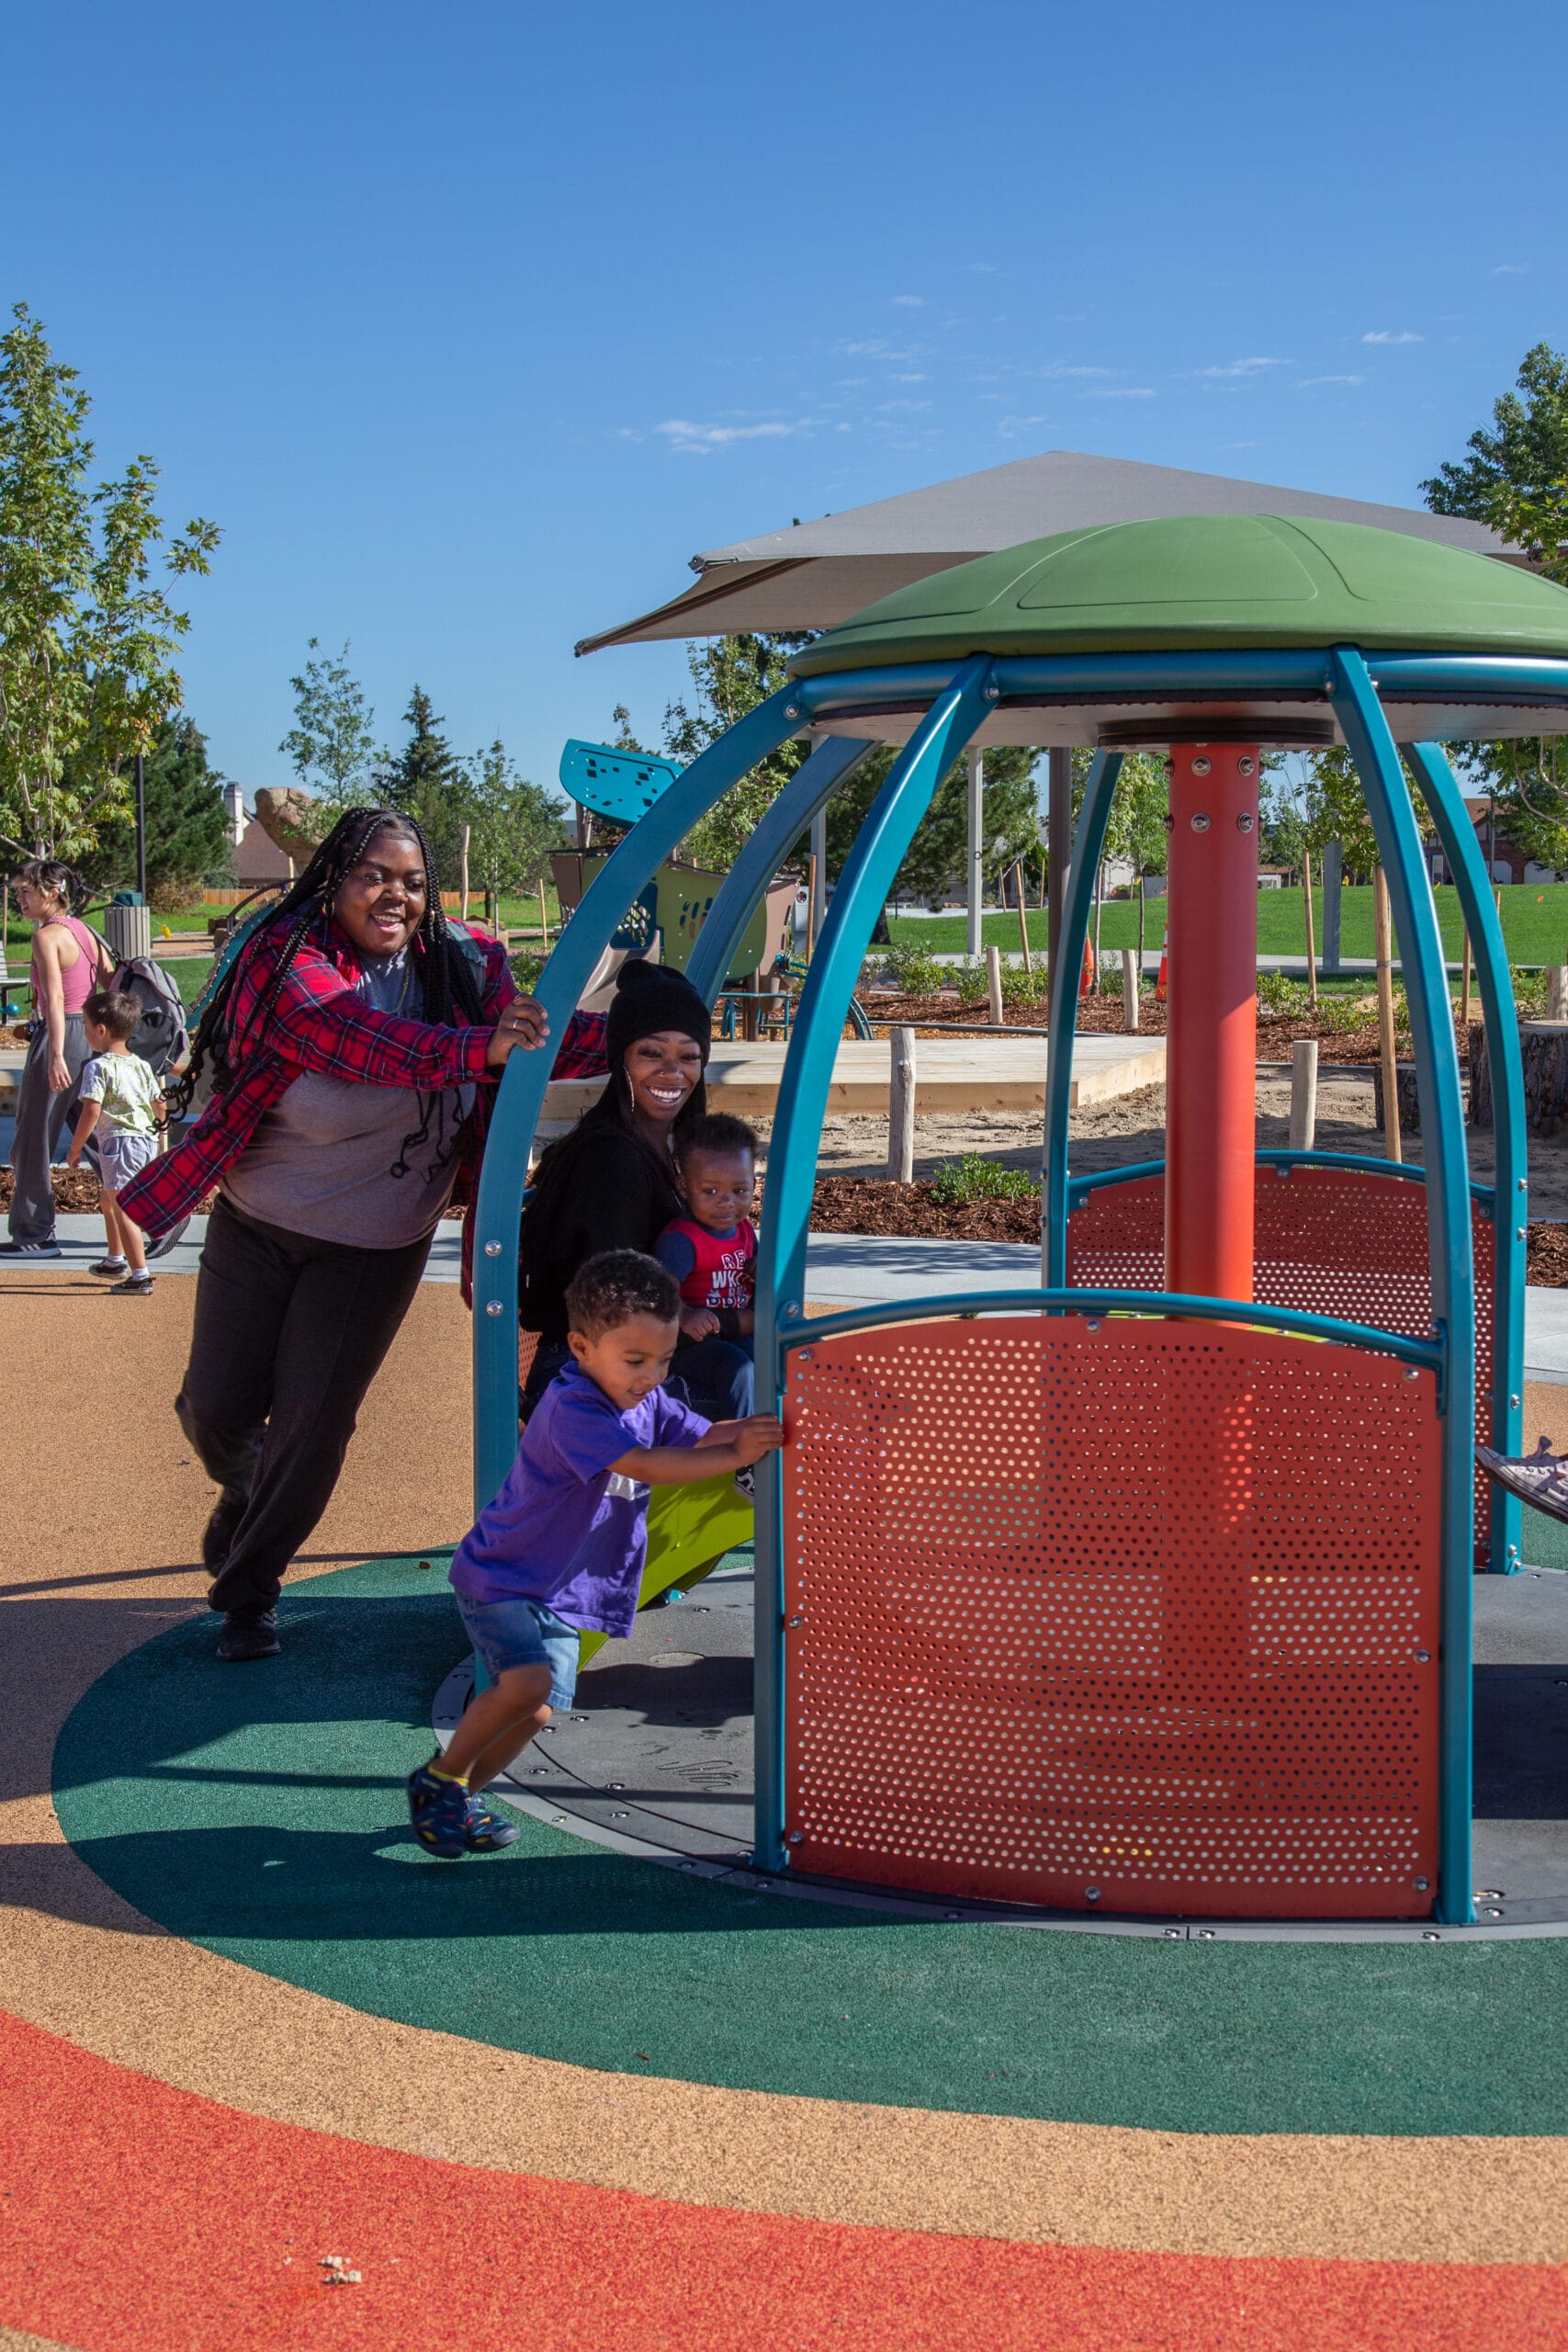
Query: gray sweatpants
[41, 1119]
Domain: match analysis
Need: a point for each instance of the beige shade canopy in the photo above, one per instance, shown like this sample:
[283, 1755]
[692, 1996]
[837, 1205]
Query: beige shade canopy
[815, 575]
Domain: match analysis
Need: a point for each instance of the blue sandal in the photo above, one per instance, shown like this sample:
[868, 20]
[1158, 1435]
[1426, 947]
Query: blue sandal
[438, 1811]
[485, 1832]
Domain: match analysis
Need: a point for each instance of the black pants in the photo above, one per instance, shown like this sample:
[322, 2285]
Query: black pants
[289, 1334]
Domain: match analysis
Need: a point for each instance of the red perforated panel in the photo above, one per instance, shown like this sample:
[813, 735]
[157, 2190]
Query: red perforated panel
[1136, 1607]
[1339, 1242]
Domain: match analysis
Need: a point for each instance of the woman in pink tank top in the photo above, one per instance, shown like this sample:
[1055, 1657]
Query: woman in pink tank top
[68, 963]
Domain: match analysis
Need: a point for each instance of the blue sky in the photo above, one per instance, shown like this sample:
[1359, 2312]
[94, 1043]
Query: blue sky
[470, 325]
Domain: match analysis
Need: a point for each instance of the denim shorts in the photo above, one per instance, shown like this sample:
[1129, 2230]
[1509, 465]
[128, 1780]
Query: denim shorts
[517, 1631]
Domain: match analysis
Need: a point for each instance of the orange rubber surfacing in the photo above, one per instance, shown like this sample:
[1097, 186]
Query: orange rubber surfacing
[1143, 1608]
[1345, 1241]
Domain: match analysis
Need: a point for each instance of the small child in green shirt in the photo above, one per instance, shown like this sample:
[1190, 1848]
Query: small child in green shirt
[123, 1102]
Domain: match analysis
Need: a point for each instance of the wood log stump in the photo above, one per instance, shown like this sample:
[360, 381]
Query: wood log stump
[1543, 1050]
[1409, 1099]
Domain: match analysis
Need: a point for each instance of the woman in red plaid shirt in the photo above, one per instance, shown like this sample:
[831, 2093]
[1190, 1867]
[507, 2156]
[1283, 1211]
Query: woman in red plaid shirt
[354, 1047]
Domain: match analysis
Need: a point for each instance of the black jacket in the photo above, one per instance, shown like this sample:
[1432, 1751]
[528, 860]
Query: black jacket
[612, 1194]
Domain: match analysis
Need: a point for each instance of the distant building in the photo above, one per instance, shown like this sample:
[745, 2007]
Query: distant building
[1506, 860]
[257, 858]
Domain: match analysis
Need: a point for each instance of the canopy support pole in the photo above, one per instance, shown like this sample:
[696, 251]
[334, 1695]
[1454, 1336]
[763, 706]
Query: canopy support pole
[975, 862]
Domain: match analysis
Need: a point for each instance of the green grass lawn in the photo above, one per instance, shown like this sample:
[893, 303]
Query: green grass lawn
[1535, 924]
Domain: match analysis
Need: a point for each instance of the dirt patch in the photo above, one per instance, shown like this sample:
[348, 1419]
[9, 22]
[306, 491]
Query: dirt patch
[76, 1190]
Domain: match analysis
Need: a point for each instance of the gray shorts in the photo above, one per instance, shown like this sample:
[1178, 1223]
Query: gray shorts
[122, 1154]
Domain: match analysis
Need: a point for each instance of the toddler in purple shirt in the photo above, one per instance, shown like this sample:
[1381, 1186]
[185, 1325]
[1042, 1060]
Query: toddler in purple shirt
[560, 1550]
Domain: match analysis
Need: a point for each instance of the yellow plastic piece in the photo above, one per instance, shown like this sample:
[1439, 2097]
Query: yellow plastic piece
[690, 1529]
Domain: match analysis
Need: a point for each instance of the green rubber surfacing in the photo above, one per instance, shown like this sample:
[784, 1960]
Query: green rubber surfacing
[259, 1811]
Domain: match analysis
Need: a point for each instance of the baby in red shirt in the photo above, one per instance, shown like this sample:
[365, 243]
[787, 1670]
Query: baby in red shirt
[712, 1250]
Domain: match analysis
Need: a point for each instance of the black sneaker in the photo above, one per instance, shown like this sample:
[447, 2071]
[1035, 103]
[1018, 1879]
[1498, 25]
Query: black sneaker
[218, 1533]
[166, 1241]
[132, 1287]
[248, 1633]
[31, 1250]
[113, 1266]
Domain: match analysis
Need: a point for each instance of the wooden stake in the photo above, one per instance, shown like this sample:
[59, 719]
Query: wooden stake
[1382, 930]
[1312, 950]
[901, 1106]
[544, 921]
[1130, 962]
[993, 983]
[1303, 1095]
[1024, 918]
[810, 903]
[1464, 990]
[464, 865]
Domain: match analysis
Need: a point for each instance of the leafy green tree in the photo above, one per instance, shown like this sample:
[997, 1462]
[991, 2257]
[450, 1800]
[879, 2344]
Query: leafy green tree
[730, 675]
[514, 824]
[88, 631]
[330, 745]
[936, 862]
[188, 838]
[1137, 830]
[1516, 478]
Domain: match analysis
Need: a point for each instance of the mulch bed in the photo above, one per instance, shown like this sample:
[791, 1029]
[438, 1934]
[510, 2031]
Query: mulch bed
[1101, 1015]
[1546, 1256]
[881, 1204]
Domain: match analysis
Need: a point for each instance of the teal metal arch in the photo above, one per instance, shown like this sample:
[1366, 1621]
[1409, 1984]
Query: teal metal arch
[1088, 842]
[1439, 789]
[521, 1095]
[879, 851]
[1366, 730]
[746, 885]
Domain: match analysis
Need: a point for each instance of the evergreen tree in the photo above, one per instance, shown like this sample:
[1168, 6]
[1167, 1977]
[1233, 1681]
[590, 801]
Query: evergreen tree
[189, 839]
[427, 781]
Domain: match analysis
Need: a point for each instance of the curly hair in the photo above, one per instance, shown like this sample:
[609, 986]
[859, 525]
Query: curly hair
[452, 995]
[608, 1290]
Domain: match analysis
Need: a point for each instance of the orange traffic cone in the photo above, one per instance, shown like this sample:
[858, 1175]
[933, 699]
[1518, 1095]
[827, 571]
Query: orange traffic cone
[1162, 984]
[1085, 977]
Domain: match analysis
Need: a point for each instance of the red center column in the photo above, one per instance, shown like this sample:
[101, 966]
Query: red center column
[1211, 1032]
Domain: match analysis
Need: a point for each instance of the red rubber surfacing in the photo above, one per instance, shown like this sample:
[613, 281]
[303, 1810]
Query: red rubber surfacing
[139, 2217]
[1344, 1241]
[1143, 1608]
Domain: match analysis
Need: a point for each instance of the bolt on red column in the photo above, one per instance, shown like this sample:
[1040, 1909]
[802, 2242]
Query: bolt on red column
[1212, 1028]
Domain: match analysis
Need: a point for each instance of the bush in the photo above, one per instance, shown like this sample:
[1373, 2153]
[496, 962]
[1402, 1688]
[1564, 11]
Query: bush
[1283, 997]
[1019, 986]
[975, 1178]
[915, 971]
[526, 966]
[970, 977]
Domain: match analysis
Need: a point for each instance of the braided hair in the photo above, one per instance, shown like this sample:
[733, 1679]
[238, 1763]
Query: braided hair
[452, 995]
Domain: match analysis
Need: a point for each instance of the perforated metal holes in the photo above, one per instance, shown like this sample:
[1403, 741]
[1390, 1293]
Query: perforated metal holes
[1342, 1241]
[1135, 1608]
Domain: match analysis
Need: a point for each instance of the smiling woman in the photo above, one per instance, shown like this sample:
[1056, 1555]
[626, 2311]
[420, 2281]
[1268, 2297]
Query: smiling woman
[353, 1045]
[611, 1184]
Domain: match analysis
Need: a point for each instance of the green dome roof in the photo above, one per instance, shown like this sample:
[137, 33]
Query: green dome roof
[1197, 581]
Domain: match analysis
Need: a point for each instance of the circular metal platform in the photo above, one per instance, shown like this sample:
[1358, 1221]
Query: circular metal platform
[655, 1759]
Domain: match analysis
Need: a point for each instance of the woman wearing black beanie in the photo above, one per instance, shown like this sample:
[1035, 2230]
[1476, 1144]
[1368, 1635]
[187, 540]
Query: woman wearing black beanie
[610, 1184]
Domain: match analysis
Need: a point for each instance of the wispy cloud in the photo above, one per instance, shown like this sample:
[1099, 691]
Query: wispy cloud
[909, 301]
[1123, 392]
[873, 347]
[702, 439]
[1307, 382]
[902, 408]
[1242, 366]
[1386, 335]
[1511, 269]
[1009, 427]
[916, 378]
[1061, 369]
